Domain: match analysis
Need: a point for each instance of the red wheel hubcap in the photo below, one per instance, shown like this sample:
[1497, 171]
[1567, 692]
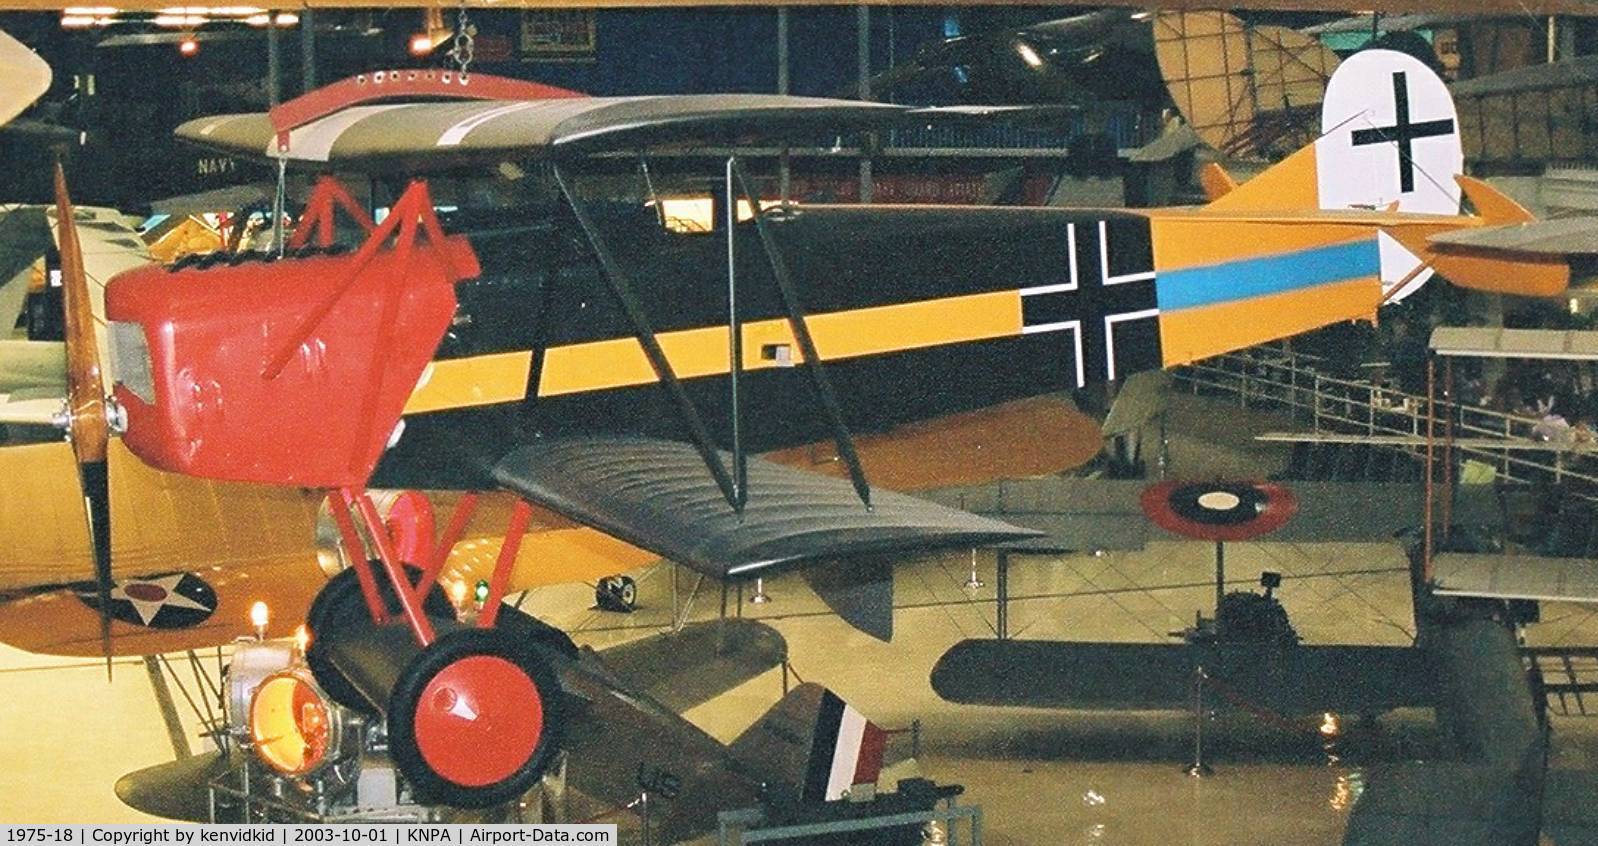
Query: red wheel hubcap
[478, 720]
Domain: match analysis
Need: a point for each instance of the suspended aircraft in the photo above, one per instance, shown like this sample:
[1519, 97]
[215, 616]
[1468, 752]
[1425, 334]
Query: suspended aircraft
[619, 735]
[1246, 89]
[525, 353]
[1247, 655]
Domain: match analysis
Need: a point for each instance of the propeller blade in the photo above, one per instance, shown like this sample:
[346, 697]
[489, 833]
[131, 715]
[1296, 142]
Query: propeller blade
[86, 418]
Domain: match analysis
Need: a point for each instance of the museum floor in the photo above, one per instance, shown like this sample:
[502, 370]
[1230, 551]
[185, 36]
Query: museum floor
[1041, 777]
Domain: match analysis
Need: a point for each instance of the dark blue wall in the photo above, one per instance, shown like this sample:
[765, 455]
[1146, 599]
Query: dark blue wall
[657, 51]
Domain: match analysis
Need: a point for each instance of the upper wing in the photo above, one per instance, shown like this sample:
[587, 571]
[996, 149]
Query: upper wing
[1565, 237]
[657, 495]
[414, 136]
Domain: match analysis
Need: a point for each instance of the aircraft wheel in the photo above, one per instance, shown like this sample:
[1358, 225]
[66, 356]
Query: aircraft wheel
[340, 604]
[474, 719]
[617, 593]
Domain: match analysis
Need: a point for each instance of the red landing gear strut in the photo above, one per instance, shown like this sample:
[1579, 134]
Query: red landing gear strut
[472, 710]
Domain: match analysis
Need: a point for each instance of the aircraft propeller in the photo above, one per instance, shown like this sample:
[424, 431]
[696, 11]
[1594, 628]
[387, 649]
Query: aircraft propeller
[86, 416]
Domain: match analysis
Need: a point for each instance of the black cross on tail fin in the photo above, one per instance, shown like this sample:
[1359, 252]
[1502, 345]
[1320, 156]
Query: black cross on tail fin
[1403, 132]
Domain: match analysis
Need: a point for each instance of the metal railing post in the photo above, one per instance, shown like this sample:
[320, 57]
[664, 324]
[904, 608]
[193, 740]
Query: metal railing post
[1509, 429]
[1317, 403]
[1292, 381]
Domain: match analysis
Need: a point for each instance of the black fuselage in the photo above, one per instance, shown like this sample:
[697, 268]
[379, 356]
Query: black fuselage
[541, 289]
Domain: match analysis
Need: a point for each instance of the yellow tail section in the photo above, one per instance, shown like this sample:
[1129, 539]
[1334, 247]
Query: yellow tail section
[1492, 206]
[1216, 181]
[1495, 271]
[1288, 185]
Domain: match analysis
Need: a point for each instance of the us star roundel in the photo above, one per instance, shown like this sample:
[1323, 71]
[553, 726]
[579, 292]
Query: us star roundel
[174, 601]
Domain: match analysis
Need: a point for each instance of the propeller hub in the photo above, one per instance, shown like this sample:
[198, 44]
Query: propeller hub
[116, 418]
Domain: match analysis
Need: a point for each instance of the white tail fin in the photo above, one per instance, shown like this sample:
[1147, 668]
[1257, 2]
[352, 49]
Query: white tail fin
[1389, 140]
[1389, 134]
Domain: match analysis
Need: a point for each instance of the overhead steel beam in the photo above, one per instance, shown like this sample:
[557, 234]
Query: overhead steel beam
[274, 62]
[863, 60]
[307, 51]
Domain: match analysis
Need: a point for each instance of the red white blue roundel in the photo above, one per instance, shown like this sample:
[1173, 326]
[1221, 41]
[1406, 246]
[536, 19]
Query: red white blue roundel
[175, 601]
[1218, 511]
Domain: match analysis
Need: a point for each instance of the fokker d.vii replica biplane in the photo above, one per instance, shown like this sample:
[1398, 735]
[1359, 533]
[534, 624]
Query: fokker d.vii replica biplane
[569, 352]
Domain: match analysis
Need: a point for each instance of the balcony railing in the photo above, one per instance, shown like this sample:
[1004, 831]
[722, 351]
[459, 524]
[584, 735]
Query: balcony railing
[1279, 378]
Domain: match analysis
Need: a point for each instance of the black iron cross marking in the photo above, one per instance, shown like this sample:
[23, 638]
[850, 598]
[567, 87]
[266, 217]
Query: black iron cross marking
[1096, 310]
[1403, 132]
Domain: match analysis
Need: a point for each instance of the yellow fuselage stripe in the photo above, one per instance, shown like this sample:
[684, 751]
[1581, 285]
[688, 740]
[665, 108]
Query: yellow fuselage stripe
[620, 362]
[1191, 334]
[476, 380]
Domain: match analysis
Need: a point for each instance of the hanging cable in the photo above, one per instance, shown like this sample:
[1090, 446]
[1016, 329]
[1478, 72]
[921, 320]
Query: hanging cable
[464, 47]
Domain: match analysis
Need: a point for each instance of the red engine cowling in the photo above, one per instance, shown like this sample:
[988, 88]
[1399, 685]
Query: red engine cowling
[291, 371]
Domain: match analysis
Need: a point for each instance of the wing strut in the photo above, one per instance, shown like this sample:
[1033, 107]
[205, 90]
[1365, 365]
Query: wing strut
[621, 286]
[801, 332]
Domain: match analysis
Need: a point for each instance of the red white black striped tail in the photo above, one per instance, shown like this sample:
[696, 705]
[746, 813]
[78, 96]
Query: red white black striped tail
[845, 750]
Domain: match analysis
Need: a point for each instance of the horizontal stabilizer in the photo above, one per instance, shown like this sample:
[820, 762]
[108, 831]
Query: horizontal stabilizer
[1510, 252]
[688, 668]
[658, 495]
[175, 790]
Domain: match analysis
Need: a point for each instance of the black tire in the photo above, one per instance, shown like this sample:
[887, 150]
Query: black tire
[616, 593]
[341, 604]
[430, 786]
